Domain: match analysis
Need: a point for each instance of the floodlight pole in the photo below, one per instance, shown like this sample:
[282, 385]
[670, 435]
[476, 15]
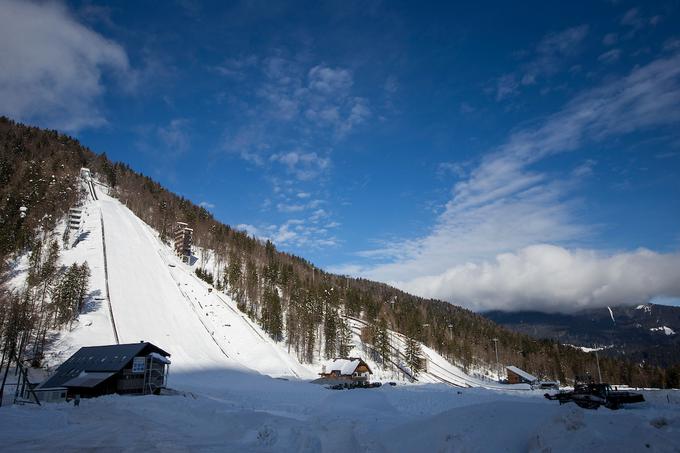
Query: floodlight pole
[498, 366]
[599, 373]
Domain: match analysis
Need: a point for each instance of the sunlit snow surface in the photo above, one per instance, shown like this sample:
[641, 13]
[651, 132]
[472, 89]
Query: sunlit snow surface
[223, 410]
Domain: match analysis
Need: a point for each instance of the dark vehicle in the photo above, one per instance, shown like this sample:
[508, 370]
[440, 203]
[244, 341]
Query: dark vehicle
[592, 396]
[355, 385]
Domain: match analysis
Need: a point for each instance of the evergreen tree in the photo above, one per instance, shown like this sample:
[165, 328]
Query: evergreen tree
[272, 317]
[344, 338]
[234, 273]
[330, 331]
[381, 342]
[413, 355]
[252, 288]
[66, 237]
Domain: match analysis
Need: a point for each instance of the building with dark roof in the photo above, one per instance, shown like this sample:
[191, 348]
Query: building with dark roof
[352, 369]
[519, 376]
[140, 368]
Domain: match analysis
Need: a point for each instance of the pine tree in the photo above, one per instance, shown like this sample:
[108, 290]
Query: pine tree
[66, 237]
[252, 288]
[413, 355]
[272, 317]
[330, 331]
[83, 284]
[344, 338]
[234, 273]
[381, 341]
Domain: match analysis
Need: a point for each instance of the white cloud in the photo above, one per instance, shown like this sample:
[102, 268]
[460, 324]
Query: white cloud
[284, 207]
[304, 166]
[293, 233]
[206, 204]
[610, 39]
[506, 86]
[504, 205]
[610, 56]
[585, 169]
[175, 136]
[635, 21]
[335, 81]
[548, 58]
[391, 85]
[52, 67]
[551, 278]
[236, 67]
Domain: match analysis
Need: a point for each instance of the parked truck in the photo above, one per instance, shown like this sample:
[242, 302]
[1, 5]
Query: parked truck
[592, 396]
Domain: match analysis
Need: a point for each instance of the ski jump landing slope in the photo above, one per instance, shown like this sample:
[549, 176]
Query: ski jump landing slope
[155, 298]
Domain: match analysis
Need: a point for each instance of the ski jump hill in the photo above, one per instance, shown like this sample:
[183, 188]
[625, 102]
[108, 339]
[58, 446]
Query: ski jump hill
[143, 292]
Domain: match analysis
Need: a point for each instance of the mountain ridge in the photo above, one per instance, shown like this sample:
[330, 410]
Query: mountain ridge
[644, 332]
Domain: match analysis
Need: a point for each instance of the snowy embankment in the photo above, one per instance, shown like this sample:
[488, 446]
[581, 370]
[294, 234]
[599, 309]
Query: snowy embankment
[227, 410]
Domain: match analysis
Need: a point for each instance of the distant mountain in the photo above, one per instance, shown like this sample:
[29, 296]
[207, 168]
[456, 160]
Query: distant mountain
[648, 332]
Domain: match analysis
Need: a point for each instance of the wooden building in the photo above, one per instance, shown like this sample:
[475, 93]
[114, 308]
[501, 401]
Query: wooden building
[519, 376]
[183, 241]
[75, 218]
[137, 368]
[346, 369]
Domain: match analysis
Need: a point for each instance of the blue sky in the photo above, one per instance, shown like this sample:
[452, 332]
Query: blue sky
[494, 155]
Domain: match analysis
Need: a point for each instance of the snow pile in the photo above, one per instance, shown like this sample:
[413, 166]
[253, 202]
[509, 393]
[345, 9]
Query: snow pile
[589, 349]
[666, 330]
[646, 307]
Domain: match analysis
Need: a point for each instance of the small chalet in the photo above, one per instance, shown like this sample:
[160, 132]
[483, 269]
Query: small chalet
[140, 368]
[519, 376]
[349, 369]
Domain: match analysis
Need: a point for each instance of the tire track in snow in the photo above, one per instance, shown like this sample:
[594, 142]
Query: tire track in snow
[193, 307]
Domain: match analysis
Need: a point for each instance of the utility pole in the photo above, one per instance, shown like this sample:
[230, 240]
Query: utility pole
[599, 373]
[498, 366]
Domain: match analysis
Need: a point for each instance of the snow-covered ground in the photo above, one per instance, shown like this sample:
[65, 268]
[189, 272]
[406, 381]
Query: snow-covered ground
[229, 410]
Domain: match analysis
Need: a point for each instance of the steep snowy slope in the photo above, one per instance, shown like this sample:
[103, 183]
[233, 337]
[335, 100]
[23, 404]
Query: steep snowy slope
[146, 302]
[156, 298]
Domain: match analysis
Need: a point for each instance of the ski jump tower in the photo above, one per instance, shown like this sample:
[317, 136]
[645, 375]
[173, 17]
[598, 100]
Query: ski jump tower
[183, 241]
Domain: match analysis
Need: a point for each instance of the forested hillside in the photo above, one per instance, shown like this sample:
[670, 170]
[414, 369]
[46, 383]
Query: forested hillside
[291, 299]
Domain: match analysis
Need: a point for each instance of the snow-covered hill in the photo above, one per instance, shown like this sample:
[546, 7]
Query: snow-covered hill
[152, 296]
